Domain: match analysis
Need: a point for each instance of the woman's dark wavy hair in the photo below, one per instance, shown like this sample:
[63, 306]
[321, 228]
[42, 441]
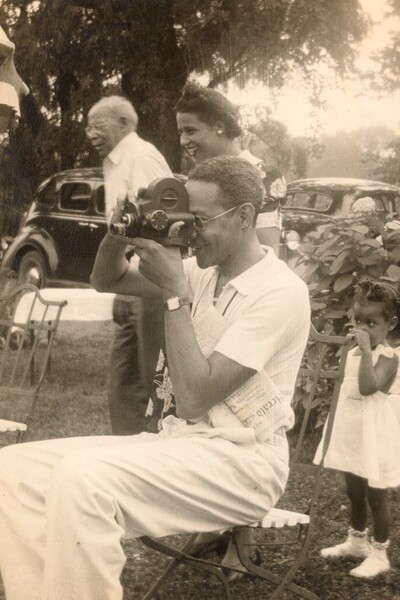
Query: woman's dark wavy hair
[211, 107]
[388, 296]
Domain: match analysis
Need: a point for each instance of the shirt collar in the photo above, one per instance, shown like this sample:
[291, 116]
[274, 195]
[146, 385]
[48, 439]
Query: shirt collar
[249, 280]
[116, 155]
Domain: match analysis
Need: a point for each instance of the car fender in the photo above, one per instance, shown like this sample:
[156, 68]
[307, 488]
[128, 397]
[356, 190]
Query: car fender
[31, 238]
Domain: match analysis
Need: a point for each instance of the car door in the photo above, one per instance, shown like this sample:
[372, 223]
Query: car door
[71, 231]
[97, 225]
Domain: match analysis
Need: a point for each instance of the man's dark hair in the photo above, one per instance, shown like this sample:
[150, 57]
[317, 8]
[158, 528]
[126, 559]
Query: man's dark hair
[238, 180]
[211, 107]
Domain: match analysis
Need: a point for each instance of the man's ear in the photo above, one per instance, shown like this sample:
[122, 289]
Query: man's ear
[124, 124]
[247, 213]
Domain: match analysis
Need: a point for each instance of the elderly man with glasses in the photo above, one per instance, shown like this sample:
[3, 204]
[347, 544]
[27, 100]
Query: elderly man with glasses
[129, 163]
[236, 325]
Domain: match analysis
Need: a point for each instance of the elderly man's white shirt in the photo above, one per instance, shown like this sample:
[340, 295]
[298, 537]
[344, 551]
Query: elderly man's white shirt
[132, 164]
[268, 309]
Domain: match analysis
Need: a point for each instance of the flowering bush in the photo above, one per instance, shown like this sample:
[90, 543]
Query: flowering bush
[337, 258]
[340, 255]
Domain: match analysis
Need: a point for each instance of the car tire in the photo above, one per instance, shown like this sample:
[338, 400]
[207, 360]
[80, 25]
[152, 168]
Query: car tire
[33, 269]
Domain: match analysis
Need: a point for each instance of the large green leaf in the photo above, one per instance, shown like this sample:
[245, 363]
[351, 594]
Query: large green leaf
[339, 262]
[363, 229]
[394, 272]
[315, 305]
[343, 282]
[371, 259]
[395, 254]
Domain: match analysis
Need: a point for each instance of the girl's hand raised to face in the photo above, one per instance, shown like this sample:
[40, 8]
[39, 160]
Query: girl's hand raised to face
[362, 338]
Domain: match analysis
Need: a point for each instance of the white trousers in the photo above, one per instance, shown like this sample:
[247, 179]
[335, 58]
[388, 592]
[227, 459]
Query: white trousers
[66, 504]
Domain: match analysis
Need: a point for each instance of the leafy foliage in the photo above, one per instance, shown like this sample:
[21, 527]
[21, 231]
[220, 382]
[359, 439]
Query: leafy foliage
[386, 161]
[340, 255]
[388, 78]
[69, 51]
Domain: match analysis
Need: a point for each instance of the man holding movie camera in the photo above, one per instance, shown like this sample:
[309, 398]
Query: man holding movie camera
[129, 163]
[236, 325]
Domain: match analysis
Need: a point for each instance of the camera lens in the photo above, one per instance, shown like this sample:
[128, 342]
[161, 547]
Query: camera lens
[118, 228]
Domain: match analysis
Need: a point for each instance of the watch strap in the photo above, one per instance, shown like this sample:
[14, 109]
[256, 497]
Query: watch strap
[175, 303]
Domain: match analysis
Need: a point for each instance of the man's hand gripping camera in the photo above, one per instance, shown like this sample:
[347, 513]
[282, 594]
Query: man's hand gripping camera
[160, 213]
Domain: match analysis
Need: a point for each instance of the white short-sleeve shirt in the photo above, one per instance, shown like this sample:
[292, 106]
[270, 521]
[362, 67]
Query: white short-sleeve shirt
[131, 165]
[267, 307]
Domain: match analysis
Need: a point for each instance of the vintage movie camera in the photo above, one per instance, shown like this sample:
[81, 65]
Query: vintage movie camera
[159, 213]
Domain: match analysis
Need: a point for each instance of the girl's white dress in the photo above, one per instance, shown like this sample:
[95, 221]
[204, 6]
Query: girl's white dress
[365, 437]
[394, 392]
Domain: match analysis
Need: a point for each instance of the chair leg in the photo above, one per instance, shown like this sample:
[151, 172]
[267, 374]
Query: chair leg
[283, 582]
[169, 568]
[183, 557]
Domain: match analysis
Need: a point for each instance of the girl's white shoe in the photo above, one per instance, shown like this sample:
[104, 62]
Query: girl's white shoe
[376, 562]
[356, 545]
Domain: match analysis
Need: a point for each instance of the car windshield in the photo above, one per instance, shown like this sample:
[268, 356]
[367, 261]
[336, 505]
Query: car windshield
[309, 200]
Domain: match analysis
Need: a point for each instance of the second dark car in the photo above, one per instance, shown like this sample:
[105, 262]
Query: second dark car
[58, 239]
[312, 203]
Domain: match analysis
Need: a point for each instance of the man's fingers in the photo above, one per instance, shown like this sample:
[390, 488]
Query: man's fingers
[119, 208]
[121, 239]
[144, 243]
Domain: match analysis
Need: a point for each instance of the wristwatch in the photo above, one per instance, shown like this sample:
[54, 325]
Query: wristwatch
[175, 303]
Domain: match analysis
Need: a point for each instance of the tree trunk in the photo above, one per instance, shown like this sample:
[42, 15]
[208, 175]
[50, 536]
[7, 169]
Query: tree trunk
[158, 125]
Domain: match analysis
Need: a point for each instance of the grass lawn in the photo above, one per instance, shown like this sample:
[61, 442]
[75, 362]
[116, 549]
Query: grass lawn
[73, 402]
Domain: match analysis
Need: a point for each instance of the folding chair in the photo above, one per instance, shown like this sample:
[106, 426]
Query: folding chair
[26, 340]
[287, 530]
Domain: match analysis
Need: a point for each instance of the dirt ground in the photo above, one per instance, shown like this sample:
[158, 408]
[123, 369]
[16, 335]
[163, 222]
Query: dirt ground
[73, 402]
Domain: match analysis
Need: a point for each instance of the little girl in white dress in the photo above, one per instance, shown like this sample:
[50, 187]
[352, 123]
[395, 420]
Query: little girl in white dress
[365, 441]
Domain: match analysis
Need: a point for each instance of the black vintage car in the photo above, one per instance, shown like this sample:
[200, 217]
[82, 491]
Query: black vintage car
[58, 239]
[312, 203]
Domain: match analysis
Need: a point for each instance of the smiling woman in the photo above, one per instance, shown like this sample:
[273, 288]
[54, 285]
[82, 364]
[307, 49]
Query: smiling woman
[207, 123]
[208, 126]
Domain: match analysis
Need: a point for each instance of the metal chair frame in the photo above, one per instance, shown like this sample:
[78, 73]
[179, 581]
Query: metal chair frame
[302, 523]
[25, 355]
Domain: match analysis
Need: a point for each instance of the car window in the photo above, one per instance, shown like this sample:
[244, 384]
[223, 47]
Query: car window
[322, 202]
[46, 197]
[75, 196]
[100, 200]
[387, 203]
[311, 200]
[382, 202]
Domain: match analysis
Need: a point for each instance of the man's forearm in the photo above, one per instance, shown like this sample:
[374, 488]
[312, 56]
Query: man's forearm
[190, 370]
[199, 382]
[110, 264]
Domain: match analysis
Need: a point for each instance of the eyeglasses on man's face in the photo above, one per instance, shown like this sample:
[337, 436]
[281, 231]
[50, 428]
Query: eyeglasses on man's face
[200, 224]
[95, 128]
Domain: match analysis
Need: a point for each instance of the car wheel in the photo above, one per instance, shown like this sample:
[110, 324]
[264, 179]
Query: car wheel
[32, 269]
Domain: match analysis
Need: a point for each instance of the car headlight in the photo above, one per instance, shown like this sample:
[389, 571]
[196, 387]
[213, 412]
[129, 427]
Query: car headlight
[293, 241]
